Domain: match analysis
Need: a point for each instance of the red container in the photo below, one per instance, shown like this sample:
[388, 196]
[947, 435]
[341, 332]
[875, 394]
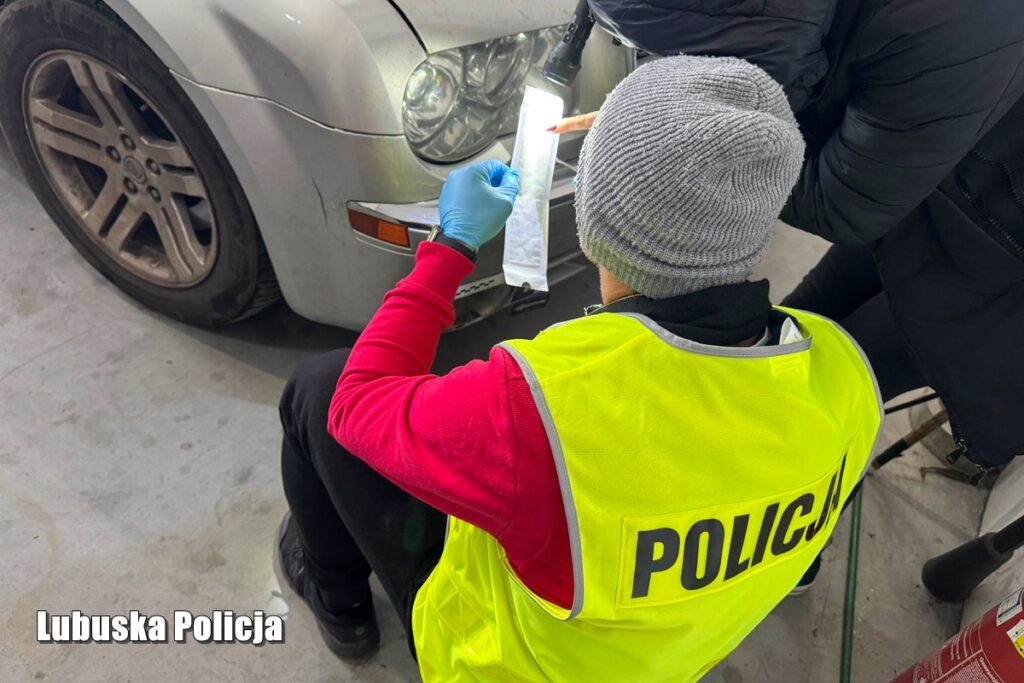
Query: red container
[991, 650]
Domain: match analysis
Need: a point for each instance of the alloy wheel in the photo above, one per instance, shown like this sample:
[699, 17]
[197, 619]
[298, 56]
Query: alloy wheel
[120, 169]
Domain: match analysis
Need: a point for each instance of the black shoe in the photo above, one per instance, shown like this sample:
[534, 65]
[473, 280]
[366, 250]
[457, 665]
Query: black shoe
[808, 578]
[349, 634]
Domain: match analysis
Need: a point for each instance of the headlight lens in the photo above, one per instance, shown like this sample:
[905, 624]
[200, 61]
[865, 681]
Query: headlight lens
[457, 102]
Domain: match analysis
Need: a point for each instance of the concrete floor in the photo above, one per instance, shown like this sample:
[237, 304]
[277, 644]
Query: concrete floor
[138, 470]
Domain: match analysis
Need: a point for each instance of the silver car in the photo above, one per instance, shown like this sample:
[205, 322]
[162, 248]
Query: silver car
[209, 157]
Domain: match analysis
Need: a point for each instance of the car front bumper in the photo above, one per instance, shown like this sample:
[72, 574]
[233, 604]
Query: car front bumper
[485, 291]
[301, 177]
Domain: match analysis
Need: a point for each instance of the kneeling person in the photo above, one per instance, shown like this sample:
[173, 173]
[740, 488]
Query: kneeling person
[629, 493]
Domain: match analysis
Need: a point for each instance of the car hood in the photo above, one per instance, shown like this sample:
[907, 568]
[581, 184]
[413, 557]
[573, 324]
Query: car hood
[443, 24]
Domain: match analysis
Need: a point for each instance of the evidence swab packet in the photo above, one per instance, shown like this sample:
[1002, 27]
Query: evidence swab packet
[526, 232]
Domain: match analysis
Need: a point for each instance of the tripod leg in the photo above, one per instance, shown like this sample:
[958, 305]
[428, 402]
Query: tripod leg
[897, 449]
[953, 575]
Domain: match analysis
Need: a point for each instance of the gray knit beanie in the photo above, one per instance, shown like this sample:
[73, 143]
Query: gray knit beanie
[684, 173]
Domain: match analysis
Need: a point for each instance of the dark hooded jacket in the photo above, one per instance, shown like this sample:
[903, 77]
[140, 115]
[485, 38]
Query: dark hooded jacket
[914, 119]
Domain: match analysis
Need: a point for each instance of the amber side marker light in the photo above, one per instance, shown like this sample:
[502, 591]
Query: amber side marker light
[378, 228]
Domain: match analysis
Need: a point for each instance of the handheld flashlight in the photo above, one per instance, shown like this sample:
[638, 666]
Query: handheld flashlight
[564, 61]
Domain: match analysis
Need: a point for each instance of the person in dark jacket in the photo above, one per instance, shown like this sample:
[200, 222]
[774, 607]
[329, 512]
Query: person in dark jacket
[914, 120]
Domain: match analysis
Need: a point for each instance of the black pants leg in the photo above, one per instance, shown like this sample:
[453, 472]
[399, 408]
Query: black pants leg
[845, 287]
[352, 521]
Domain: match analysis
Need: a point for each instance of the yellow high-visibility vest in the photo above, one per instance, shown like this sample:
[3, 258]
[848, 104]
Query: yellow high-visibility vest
[699, 484]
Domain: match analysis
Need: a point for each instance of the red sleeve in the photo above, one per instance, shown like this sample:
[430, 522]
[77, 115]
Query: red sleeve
[449, 440]
[470, 443]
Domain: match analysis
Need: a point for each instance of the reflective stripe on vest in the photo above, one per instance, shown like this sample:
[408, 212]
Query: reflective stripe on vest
[699, 483]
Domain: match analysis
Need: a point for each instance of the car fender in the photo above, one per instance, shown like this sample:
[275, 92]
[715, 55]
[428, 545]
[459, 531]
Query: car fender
[341, 63]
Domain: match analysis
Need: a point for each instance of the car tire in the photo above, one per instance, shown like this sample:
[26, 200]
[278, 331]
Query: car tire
[212, 233]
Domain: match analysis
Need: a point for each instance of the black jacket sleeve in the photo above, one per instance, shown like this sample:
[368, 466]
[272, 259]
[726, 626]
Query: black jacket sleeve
[928, 84]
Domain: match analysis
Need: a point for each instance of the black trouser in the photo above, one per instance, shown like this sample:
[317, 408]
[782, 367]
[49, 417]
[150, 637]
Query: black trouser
[352, 521]
[845, 287]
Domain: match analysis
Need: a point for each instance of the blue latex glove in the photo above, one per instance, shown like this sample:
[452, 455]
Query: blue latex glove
[476, 201]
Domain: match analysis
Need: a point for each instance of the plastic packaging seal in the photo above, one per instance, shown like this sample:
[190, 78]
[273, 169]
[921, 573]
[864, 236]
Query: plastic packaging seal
[526, 232]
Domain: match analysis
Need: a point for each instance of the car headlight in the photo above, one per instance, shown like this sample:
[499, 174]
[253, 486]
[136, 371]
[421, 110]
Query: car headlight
[457, 102]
